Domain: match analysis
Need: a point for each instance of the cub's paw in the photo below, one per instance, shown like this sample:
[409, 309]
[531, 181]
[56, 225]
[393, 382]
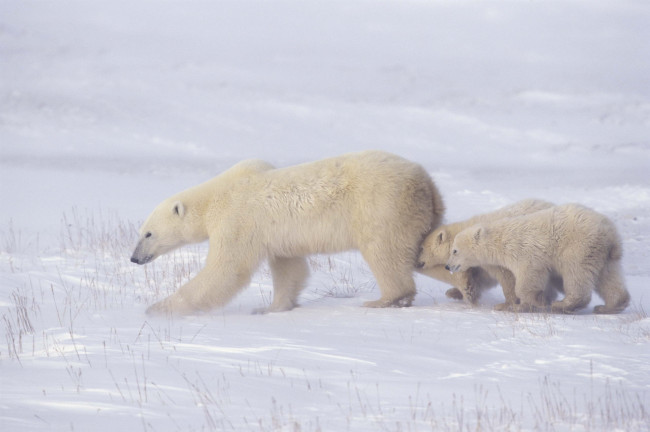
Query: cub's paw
[454, 293]
[561, 307]
[602, 309]
[529, 308]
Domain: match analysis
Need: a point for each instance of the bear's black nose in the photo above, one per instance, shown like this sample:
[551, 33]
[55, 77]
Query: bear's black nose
[446, 267]
[134, 260]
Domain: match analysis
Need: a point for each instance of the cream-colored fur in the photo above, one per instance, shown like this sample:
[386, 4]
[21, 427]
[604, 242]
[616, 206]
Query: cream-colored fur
[571, 242]
[375, 202]
[469, 284]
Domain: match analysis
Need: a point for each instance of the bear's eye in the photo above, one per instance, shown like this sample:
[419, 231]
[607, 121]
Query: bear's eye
[454, 252]
[147, 235]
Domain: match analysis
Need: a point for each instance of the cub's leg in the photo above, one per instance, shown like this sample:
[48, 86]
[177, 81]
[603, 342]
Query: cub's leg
[478, 280]
[554, 286]
[582, 268]
[529, 289]
[577, 293]
[611, 288]
[508, 284]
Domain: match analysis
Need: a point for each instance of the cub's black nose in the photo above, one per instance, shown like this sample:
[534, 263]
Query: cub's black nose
[446, 267]
[134, 260]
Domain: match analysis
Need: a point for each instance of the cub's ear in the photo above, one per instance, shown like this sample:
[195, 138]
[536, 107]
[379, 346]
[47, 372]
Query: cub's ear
[441, 237]
[179, 209]
[479, 234]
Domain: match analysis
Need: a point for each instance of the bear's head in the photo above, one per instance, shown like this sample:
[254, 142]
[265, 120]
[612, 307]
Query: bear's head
[171, 225]
[463, 250]
[435, 248]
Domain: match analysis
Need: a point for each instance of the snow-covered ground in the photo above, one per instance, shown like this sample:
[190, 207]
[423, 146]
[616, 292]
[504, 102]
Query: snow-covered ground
[107, 107]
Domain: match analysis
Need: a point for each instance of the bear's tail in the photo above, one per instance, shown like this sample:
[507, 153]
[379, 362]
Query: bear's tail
[615, 251]
[610, 233]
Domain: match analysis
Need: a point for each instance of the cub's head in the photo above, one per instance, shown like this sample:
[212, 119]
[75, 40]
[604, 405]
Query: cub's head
[463, 249]
[170, 226]
[435, 248]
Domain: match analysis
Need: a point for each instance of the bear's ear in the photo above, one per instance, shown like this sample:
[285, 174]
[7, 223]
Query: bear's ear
[179, 209]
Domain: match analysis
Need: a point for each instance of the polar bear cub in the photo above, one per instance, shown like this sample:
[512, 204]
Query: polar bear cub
[570, 241]
[469, 284]
[375, 202]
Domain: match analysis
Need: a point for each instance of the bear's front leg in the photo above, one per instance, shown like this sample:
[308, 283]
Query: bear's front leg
[213, 286]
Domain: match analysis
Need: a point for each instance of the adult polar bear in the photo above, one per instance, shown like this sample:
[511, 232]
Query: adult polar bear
[372, 201]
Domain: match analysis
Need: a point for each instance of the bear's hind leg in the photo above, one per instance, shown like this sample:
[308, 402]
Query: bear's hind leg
[289, 278]
[611, 288]
[395, 281]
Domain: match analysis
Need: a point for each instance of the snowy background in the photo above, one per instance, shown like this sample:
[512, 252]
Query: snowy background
[108, 107]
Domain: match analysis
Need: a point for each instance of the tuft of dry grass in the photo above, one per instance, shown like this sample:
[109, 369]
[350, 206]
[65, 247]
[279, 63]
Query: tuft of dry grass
[340, 278]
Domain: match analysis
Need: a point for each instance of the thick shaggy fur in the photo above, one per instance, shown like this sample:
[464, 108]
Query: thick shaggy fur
[375, 202]
[571, 242]
[469, 284]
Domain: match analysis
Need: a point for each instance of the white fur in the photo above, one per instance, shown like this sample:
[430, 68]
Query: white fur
[469, 284]
[372, 201]
[571, 242]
